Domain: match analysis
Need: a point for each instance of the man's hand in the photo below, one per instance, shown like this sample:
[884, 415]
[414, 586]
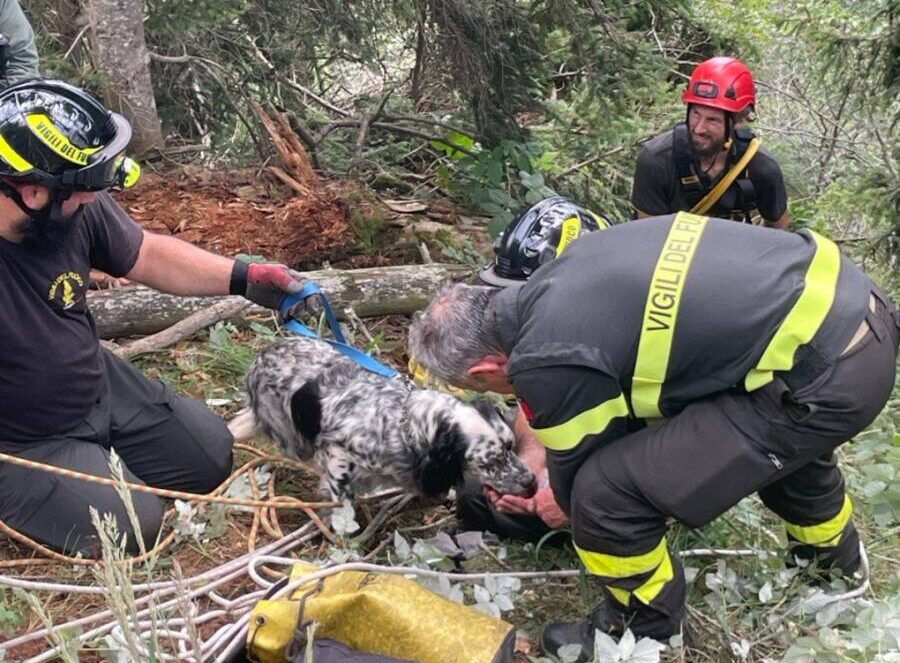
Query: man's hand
[266, 284]
[542, 504]
[548, 510]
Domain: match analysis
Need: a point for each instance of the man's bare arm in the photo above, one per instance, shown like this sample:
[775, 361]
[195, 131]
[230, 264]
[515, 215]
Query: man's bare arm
[528, 447]
[171, 265]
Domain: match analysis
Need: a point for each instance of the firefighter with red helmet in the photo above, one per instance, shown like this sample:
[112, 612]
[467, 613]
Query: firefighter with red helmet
[712, 163]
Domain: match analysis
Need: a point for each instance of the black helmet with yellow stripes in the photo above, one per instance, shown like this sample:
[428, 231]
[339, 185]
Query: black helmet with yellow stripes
[536, 236]
[54, 134]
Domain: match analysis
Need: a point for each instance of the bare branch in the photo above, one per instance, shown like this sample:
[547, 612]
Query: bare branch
[587, 162]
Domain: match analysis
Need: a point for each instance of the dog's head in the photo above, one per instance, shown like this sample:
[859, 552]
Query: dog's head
[473, 442]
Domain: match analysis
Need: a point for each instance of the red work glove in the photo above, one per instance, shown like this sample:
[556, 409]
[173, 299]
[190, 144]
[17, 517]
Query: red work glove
[266, 284]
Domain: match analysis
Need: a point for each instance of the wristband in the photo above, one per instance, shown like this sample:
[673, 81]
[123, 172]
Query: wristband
[238, 283]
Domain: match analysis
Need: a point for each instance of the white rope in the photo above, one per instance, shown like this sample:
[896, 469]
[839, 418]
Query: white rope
[37, 585]
[227, 640]
[213, 579]
[211, 575]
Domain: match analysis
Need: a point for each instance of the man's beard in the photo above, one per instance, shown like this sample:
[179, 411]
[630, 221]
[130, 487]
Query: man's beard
[48, 231]
[704, 152]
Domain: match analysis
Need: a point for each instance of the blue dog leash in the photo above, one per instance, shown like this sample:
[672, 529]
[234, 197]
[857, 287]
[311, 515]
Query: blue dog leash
[340, 342]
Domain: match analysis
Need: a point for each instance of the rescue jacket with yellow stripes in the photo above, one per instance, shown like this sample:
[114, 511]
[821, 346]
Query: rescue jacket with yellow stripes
[640, 320]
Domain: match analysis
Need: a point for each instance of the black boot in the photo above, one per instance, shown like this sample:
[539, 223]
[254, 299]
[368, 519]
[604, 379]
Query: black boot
[561, 634]
[845, 557]
[643, 621]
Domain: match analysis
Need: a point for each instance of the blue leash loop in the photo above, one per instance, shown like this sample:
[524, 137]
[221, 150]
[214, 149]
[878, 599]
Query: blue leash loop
[340, 342]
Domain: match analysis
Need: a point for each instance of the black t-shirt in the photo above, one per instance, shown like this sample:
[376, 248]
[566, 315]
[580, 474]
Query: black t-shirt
[50, 370]
[657, 191]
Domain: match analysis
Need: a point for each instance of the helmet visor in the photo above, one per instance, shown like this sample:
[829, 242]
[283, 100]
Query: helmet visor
[108, 167]
[488, 274]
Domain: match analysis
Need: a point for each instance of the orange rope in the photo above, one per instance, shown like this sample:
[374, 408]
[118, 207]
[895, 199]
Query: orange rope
[262, 508]
[283, 503]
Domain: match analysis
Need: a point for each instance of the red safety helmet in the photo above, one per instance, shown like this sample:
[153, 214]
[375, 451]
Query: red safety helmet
[721, 82]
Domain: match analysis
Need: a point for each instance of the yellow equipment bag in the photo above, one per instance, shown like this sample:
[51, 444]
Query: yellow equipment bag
[381, 614]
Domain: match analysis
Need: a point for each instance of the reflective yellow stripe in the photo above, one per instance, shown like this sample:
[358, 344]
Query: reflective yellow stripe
[568, 435]
[13, 158]
[600, 221]
[804, 319]
[661, 312]
[130, 170]
[655, 583]
[571, 229]
[623, 596]
[611, 566]
[42, 126]
[824, 534]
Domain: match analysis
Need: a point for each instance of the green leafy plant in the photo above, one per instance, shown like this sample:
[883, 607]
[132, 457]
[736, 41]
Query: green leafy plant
[367, 229]
[12, 613]
[499, 181]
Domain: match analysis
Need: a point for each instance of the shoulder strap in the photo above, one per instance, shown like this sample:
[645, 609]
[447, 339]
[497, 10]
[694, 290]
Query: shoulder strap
[691, 188]
[710, 199]
[339, 343]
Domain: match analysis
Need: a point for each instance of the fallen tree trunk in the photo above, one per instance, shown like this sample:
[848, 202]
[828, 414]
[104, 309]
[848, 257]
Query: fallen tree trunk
[226, 307]
[374, 291]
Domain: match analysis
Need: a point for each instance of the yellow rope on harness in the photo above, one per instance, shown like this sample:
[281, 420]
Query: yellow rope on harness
[710, 198]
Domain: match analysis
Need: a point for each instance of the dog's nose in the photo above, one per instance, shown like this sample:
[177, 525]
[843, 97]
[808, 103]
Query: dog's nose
[529, 483]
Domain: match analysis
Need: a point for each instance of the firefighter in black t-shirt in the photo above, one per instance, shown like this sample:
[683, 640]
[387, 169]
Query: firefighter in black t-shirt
[64, 400]
[712, 163]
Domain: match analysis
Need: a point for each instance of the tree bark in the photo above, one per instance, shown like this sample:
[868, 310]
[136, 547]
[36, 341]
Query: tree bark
[375, 291]
[119, 50]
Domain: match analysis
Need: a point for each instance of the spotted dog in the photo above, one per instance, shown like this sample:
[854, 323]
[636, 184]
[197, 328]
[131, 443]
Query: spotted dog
[362, 429]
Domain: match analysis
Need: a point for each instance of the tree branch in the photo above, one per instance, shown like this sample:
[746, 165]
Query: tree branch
[344, 124]
[587, 162]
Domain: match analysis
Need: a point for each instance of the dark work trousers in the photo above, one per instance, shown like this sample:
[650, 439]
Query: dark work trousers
[164, 440]
[776, 441]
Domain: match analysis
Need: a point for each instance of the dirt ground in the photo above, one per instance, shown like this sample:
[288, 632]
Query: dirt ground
[245, 211]
[251, 212]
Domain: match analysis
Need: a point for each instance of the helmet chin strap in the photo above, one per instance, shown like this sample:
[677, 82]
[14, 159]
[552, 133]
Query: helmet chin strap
[729, 129]
[49, 213]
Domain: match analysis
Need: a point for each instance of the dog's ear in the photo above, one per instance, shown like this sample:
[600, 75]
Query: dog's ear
[494, 415]
[485, 408]
[306, 410]
[442, 467]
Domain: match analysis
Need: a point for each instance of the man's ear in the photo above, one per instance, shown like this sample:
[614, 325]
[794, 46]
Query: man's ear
[489, 365]
[34, 196]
